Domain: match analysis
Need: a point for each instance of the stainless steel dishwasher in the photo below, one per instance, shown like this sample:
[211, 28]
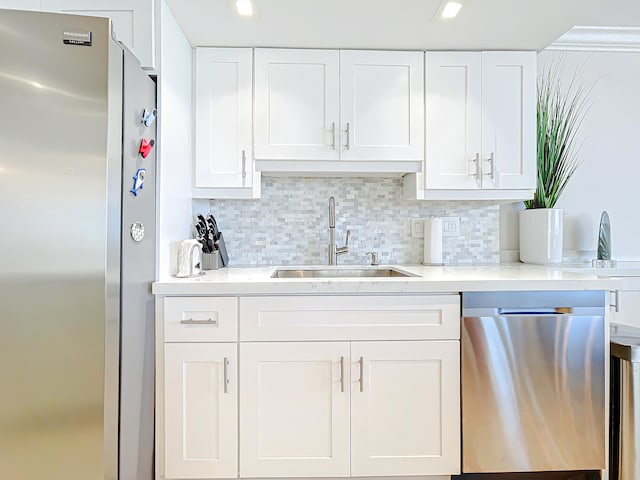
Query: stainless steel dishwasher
[533, 381]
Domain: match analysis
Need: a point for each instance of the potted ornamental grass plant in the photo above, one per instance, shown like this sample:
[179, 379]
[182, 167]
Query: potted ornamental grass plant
[561, 108]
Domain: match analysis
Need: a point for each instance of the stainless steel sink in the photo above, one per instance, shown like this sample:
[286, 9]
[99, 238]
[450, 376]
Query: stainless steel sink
[339, 273]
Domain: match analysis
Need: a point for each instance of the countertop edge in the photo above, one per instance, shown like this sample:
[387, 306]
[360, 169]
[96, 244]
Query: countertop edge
[257, 281]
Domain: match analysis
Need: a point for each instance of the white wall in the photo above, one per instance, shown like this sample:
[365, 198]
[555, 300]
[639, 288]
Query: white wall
[175, 148]
[609, 177]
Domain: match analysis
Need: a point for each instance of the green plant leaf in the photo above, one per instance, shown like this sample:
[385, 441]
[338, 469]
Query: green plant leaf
[559, 114]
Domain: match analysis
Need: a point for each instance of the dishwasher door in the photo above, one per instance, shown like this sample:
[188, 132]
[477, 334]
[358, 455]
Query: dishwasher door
[533, 381]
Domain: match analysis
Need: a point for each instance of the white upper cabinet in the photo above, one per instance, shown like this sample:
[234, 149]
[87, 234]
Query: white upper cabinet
[381, 105]
[224, 166]
[339, 111]
[453, 120]
[297, 104]
[480, 126]
[133, 22]
[509, 120]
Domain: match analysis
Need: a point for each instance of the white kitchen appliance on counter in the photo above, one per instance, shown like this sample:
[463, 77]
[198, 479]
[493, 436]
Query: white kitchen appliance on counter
[77, 251]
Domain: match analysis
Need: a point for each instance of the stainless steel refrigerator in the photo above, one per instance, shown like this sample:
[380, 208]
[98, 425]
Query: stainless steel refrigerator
[77, 251]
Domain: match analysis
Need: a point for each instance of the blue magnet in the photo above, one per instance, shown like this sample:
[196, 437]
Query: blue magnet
[148, 117]
[138, 181]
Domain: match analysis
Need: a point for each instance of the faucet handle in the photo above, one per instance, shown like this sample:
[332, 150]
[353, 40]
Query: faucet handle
[374, 258]
[345, 249]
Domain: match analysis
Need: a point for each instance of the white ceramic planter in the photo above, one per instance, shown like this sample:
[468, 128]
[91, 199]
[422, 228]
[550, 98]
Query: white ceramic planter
[541, 235]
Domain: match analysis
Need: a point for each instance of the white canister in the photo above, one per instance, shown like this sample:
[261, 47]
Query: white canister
[433, 241]
[541, 236]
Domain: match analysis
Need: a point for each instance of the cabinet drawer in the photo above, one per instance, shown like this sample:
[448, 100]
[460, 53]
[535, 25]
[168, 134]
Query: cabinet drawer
[200, 319]
[417, 317]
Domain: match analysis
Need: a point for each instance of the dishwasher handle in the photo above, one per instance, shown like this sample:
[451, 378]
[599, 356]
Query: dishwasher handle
[534, 312]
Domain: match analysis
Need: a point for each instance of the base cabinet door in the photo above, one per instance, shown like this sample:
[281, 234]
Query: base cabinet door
[294, 409]
[405, 408]
[201, 419]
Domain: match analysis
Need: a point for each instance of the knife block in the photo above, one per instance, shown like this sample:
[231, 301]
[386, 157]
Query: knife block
[211, 261]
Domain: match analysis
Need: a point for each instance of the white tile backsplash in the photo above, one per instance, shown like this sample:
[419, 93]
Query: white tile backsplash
[289, 224]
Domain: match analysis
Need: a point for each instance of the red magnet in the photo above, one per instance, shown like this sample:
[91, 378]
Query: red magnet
[145, 147]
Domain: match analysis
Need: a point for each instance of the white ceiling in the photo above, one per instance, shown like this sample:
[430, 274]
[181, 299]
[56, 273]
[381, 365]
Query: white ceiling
[396, 24]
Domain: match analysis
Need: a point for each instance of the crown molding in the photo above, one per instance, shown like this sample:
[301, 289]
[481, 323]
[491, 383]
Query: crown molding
[599, 39]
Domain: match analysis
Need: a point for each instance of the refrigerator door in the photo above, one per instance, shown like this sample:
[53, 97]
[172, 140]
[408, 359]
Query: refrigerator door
[138, 272]
[59, 278]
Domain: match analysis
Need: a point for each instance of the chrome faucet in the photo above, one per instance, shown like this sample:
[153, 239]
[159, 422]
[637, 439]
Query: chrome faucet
[333, 251]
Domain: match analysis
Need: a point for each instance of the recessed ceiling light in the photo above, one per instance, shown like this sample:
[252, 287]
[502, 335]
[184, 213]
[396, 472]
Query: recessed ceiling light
[245, 7]
[451, 9]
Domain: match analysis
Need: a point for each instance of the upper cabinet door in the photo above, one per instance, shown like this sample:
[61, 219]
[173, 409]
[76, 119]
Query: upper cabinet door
[133, 22]
[381, 105]
[296, 104]
[453, 120]
[509, 120]
[223, 117]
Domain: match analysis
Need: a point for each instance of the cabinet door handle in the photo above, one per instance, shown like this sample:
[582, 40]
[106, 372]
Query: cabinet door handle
[226, 375]
[348, 132]
[191, 321]
[244, 168]
[478, 172]
[616, 298]
[494, 175]
[342, 374]
[333, 135]
[361, 381]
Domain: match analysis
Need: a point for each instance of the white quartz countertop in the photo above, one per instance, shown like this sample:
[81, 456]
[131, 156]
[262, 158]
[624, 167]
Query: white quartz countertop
[428, 279]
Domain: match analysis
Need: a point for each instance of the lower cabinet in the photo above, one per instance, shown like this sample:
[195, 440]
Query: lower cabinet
[349, 408]
[307, 387]
[294, 409]
[405, 408]
[201, 410]
[625, 307]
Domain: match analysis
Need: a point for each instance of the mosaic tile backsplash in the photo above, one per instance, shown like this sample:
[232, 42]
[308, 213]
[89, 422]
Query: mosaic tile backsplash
[289, 224]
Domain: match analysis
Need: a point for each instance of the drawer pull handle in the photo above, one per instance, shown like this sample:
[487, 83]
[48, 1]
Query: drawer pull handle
[226, 375]
[361, 362]
[191, 321]
[342, 374]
